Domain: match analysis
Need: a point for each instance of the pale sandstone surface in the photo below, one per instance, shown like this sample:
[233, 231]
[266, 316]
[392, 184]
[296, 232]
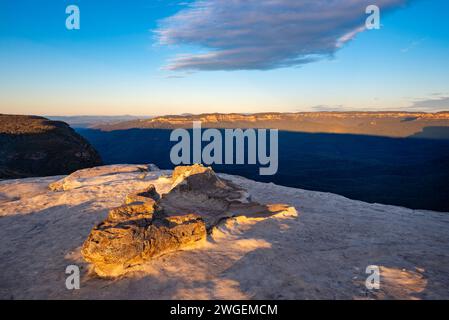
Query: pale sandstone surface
[149, 225]
[320, 250]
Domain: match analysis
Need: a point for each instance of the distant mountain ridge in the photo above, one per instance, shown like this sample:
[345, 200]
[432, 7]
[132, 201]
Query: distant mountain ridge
[89, 121]
[391, 124]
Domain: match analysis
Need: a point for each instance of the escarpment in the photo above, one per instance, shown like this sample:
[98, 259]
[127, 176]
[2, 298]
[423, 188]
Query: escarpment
[32, 146]
[389, 124]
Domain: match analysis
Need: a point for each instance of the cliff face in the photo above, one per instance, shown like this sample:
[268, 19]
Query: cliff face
[393, 124]
[35, 146]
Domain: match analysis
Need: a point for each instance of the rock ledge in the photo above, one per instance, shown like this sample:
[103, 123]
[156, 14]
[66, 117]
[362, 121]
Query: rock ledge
[149, 225]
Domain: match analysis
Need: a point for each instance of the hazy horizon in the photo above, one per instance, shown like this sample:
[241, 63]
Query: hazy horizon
[243, 113]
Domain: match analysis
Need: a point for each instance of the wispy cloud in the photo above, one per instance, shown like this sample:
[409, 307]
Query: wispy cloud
[433, 105]
[324, 108]
[263, 34]
[412, 45]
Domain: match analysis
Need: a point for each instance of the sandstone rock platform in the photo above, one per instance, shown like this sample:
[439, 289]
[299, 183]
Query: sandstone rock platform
[318, 251]
[149, 225]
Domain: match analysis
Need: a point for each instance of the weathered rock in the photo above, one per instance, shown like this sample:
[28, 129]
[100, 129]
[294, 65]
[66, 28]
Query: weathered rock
[149, 225]
[134, 212]
[119, 243]
[56, 186]
[181, 172]
[76, 179]
[145, 195]
[198, 189]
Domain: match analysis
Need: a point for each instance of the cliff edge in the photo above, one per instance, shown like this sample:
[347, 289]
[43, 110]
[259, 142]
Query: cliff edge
[320, 250]
[32, 146]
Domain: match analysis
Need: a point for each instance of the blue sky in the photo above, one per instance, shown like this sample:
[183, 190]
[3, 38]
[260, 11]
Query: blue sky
[173, 57]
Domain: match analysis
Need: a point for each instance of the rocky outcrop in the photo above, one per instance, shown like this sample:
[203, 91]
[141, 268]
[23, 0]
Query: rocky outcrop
[149, 225]
[33, 146]
[76, 179]
[136, 232]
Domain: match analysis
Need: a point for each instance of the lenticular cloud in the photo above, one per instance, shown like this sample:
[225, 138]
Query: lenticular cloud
[263, 34]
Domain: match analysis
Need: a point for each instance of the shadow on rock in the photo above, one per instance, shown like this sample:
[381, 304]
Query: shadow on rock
[149, 225]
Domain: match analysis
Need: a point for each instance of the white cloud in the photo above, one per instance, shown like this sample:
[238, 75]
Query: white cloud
[264, 34]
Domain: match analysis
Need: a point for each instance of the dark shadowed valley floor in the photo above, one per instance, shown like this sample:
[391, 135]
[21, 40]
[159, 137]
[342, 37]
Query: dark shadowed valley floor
[409, 172]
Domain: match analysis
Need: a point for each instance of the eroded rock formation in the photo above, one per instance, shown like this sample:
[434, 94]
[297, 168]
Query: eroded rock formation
[76, 179]
[149, 225]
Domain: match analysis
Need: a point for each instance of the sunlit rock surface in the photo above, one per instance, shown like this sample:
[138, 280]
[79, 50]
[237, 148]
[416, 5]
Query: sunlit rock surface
[390, 124]
[148, 225]
[319, 251]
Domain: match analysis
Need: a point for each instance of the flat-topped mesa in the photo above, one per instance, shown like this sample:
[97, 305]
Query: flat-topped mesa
[386, 124]
[149, 225]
